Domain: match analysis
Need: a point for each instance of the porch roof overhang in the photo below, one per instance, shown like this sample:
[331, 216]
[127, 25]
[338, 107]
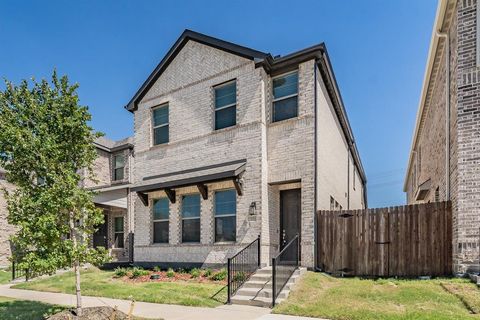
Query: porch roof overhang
[192, 177]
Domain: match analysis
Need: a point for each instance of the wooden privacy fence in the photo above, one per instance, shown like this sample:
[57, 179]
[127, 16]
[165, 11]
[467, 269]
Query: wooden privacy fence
[407, 241]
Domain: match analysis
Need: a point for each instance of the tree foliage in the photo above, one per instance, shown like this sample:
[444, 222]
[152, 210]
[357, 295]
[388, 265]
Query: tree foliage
[46, 147]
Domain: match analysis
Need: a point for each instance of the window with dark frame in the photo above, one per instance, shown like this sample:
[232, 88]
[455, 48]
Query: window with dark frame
[161, 213]
[191, 218]
[225, 105]
[225, 215]
[160, 124]
[118, 232]
[118, 167]
[285, 96]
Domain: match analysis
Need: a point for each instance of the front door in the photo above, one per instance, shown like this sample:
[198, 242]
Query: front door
[100, 237]
[290, 214]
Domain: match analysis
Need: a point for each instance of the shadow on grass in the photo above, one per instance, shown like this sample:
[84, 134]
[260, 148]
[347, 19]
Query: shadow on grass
[26, 310]
[220, 298]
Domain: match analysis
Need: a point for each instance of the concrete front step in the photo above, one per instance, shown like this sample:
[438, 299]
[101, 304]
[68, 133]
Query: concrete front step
[257, 291]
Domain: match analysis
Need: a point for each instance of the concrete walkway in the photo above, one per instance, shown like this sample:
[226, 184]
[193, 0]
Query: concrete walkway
[150, 310]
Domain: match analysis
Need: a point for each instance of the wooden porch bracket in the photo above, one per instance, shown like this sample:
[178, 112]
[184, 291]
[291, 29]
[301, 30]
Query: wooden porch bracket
[238, 183]
[203, 189]
[170, 194]
[143, 197]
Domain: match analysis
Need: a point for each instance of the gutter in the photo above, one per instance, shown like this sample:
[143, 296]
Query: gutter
[445, 36]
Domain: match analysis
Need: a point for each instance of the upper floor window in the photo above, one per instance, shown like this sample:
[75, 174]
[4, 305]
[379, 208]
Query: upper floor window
[191, 218]
[225, 215]
[226, 105]
[161, 212]
[118, 167]
[160, 125]
[285, 96]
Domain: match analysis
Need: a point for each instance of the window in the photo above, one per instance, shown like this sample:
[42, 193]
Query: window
[191, 218]
[225, 215]
[118, 230]
[118, 167]
[161, 212]
[354, 174]
[160, 125]
[285, 96]
[225, 105]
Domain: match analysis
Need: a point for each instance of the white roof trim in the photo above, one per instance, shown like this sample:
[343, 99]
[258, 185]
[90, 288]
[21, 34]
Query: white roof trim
[441, 10]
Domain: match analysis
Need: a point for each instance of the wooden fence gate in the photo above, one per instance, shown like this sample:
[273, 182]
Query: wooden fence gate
[406, 241]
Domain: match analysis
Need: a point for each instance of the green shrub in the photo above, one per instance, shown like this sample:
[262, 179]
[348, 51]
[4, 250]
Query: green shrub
[195, 273]
[157, 269]
[219, 275]
[207, 273]
[240, 276]
[120, 272]
[138, 272]
[181, 270]
[170, 273]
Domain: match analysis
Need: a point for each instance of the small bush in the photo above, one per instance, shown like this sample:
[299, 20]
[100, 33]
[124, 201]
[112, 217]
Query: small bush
[207, 273]
[181, 270]
[120, 272]
[138, 272]
[195, 273]
[157, 269]
[170, 273]
[240, 276]
[219, 275]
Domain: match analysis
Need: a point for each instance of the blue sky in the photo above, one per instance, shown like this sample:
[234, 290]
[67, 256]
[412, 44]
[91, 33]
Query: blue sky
[378, 50]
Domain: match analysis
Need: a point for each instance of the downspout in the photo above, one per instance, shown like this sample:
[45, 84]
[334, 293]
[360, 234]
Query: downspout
[447, 112]
[315, 166]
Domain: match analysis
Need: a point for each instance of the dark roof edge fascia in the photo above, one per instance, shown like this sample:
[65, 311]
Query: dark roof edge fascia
[175, 49]
[114, 149]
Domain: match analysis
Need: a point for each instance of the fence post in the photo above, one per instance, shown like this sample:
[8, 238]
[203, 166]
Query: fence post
[229, 280]
[298, 250]
[259, 246]
[13, 270]
[274, 282]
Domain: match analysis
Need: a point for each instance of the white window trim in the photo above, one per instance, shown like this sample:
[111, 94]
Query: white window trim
[115, 166]
[226, 106]
[116, 232]
[190, 218]
[284, 97]
[160, 220]
[163, 105]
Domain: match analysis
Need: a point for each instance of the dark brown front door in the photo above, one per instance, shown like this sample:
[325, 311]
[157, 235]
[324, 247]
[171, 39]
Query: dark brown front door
[100, 238]
[290, 213]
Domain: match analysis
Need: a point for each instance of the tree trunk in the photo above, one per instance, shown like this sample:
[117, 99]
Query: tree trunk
[76, 267]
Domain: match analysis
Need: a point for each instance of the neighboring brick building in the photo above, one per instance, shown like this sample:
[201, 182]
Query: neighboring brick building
[231, 143]
[444, 162]
[112, 182]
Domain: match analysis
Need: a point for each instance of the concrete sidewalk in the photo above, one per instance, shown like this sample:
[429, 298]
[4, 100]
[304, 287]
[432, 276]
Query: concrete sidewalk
[150, 310]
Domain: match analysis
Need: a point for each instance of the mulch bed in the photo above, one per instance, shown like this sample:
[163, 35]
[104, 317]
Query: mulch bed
[95, 313]
[178, 277]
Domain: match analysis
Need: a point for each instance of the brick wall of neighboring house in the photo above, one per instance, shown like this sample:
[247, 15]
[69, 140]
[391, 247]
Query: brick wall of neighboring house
[102, 170]
[6, 230]
[429, 157]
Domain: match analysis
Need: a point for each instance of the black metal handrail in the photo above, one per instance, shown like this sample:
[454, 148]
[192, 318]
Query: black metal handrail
[284, 265]
[241, 266]
[19, 272]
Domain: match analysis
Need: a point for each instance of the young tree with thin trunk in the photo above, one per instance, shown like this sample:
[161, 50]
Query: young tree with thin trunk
[46, 147]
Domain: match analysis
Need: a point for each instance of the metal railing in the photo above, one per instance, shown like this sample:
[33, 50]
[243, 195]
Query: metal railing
[18, 272]
[241, 266]
[284, 265]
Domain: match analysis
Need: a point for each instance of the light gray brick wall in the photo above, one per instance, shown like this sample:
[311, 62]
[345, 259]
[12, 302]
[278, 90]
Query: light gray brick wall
[6, 230]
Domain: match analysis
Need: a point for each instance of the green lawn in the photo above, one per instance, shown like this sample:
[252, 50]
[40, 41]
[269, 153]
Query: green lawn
[102, 283]
[12, 309]
[319, 295]
[5, 276]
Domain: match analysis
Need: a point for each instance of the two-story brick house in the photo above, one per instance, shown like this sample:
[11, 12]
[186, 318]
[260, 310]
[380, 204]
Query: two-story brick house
[232, 143]
[444, 162]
